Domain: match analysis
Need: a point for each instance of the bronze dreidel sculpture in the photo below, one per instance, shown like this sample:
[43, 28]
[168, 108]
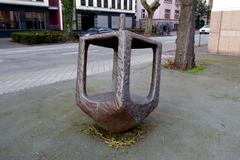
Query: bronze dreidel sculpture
[117, 111]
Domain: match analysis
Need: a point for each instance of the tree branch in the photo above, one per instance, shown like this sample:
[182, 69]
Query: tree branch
[145, 5]
[152, 7]
[155, 5]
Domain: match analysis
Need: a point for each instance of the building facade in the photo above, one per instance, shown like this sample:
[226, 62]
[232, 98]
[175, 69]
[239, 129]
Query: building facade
[167, 13]
[210, 3]
[27, 15]
[224, 35]
[103, 13]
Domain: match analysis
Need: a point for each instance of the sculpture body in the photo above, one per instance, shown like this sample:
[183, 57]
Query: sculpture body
[117, 111]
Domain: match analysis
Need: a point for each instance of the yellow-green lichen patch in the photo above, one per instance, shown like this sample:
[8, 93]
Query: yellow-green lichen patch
[118, 140]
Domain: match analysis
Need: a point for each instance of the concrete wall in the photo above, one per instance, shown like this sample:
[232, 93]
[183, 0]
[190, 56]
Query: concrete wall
[225, 28]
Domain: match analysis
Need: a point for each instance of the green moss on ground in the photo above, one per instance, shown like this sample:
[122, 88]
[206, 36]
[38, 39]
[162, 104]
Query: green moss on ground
[117, 140]
[196, 70]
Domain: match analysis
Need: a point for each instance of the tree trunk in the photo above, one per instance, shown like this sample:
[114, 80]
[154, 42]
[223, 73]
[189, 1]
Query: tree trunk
[185, 56]
[148, 28]
[150, 9]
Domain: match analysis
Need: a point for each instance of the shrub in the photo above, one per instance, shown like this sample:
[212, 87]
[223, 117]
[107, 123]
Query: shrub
[73, 36]
[38, 37]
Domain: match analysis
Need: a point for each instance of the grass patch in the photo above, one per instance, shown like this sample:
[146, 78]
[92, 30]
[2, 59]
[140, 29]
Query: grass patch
[117, 140]
[196, 70]
[170, 65]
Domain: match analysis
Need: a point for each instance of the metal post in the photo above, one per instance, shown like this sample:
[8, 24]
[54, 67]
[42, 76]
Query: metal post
[199, 39]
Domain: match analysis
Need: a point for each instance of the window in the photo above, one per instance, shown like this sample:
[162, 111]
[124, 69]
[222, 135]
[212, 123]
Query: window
[167, 14]
[9, 20]
[119, 4]
[176, 16]
[168, 1]
[125, 4]
[35, 20]
[105, 4]
[113, 4]
[99, 3]
[83, 2]
[130, 4]
[175, 26]
[90, 3]
[143, 13]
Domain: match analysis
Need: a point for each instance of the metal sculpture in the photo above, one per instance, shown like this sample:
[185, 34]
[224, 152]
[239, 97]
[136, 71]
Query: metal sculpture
[117, 111]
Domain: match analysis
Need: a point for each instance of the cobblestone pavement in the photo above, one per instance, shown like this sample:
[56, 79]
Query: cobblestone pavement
[31, 79]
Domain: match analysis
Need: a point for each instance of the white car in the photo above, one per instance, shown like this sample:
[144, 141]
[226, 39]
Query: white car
[204, 30]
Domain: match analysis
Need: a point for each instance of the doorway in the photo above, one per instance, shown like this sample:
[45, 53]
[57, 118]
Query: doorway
[87, 21]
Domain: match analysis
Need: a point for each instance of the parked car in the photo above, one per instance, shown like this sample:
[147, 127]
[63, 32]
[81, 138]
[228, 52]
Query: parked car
[204, 30]
[97, 30]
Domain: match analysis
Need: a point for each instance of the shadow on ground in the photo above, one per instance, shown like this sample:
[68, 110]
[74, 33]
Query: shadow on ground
[197, 118]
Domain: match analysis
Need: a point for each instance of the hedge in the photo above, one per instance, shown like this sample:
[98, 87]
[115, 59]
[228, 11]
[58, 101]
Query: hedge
[38, 37]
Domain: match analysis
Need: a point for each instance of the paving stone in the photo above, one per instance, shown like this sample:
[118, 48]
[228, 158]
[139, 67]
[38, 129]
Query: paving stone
[20, 81]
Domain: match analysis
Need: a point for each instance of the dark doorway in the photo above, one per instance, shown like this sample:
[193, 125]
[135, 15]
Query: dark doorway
[87, 21]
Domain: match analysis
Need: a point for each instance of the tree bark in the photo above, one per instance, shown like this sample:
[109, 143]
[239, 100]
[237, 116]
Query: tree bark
[185, 56]
[150, 10]
[148, 28]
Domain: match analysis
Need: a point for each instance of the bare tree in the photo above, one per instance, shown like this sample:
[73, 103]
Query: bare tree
[185, 56]
[150, 10]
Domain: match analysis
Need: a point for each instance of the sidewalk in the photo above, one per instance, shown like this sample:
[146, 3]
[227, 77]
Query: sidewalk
[7, 43]
[197, 118]
[31, 79]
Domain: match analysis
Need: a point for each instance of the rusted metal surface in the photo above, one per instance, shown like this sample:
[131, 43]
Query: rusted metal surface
[117, 111]
[122, 19]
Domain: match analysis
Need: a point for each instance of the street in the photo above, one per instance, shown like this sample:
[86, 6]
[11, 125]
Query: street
[30, 66]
